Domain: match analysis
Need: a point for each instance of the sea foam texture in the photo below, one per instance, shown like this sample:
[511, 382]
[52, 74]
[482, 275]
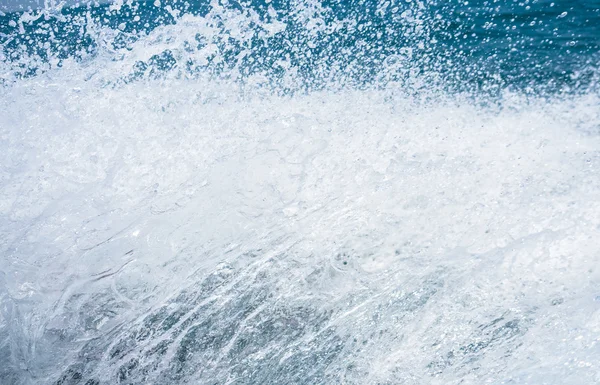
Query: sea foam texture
[205, 230]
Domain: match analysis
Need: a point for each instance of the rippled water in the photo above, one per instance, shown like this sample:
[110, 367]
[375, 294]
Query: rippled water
[300, 192]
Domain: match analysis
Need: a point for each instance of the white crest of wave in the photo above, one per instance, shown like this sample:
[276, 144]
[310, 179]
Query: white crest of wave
[428, 242]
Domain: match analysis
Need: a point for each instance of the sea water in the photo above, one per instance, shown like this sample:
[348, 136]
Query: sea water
[300, 192]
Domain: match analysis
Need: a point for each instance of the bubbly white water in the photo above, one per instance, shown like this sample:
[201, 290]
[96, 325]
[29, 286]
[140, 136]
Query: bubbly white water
[180, 232]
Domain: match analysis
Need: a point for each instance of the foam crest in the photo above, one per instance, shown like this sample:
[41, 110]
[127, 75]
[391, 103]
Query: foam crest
[363, 227]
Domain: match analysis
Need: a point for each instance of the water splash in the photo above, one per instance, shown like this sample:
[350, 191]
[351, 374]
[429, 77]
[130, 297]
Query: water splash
[237, 194]
[307, 45]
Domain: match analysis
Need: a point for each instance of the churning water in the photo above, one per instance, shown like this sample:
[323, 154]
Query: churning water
[300, 192]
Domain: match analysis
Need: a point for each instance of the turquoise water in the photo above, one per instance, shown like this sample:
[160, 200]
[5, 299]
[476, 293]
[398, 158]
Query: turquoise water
[470, 45]
[300, 192]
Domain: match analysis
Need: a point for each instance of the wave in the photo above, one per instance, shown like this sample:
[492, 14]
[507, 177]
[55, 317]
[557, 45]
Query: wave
[311, 218]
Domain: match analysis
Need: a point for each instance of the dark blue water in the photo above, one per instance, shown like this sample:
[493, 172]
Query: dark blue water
[463, 45]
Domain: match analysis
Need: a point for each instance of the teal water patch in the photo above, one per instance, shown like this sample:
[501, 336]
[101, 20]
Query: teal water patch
[470, 45]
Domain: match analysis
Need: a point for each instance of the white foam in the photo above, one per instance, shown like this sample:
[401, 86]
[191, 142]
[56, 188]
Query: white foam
[147, 187]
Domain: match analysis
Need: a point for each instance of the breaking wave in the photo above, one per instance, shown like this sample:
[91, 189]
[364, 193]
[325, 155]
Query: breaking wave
[299, 193]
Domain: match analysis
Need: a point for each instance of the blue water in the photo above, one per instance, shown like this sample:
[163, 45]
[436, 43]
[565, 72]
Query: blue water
[474, 45]
[300, 192]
